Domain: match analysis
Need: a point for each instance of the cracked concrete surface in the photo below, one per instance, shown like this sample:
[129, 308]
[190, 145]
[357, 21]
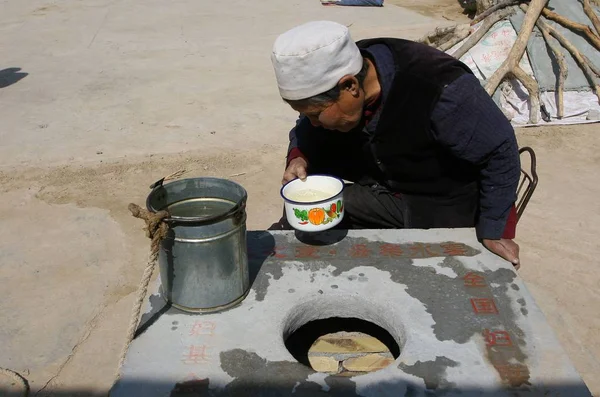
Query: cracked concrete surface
[406, 296]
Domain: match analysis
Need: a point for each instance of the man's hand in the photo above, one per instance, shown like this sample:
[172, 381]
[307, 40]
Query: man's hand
[296, 169]
[506, 249]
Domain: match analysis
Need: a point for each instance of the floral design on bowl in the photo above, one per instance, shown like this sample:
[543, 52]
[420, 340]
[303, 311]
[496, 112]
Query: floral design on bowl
[318, 215]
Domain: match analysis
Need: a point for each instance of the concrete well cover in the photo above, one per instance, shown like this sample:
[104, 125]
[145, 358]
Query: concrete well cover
[464, 320]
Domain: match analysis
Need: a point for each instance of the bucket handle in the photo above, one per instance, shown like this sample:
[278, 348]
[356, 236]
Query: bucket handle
[174, 175]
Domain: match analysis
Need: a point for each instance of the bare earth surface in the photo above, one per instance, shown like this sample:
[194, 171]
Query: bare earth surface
[121, 94]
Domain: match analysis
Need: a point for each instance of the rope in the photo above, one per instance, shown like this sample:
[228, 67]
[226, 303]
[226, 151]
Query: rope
[156, 230]
[175, 175]
[18, 379]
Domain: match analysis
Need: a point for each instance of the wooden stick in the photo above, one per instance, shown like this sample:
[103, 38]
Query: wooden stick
[438, 36]
[578, 57]
[516, 52]
[461, 32]
[493, 9]
[593, 67]
[573, 51]
[432, 37]
[478, 35]
[563, 71]
[567, 23]
[589, 11]
[444, 30]
[534, 93]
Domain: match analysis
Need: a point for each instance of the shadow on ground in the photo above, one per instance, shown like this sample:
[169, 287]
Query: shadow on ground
[10, 76]
[344, 387]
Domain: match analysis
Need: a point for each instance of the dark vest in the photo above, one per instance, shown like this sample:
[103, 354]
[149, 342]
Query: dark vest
[402, 153]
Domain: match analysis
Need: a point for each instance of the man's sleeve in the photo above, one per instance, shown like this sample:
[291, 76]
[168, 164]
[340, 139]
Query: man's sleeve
[293, 148]
[467, 121]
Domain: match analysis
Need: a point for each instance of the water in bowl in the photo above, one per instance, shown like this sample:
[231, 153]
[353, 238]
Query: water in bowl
[309, 195]
[202, 207]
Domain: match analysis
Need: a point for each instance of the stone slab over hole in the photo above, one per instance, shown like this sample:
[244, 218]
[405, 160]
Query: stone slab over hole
[343, 346]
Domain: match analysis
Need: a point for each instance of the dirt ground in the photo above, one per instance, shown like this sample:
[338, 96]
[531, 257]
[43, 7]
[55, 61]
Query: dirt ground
[42, 203]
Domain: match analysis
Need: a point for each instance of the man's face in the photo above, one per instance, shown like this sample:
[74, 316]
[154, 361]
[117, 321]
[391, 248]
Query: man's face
[342, 115]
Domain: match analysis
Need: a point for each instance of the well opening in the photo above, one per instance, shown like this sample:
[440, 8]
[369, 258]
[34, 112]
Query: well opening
[344, 336]
[343, 346]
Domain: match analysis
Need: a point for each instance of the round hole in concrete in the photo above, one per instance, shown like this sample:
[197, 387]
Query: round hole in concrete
[343, 336]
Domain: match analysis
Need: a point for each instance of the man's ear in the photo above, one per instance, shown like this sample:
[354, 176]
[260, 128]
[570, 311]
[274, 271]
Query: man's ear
[350, 83]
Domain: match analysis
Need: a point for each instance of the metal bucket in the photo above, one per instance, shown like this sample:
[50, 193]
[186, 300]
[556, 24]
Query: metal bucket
[203, 260]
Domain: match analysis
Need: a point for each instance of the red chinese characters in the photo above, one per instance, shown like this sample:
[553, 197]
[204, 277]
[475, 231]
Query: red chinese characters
[279, 252]
[307, 251]
[474, 280]
[196, 355]
[360, 251]
[206, 328]
[421, 250]
[484, 306]
[497, 338]
[454, 249]
[390, 250]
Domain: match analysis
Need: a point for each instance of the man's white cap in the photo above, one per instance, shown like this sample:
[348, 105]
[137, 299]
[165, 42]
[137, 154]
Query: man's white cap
[312, 58]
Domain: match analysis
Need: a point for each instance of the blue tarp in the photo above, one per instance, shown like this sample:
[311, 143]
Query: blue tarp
[542, 62]
[360, 3]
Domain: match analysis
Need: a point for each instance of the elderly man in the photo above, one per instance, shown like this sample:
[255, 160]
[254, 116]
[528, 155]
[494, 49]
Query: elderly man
[411, 126]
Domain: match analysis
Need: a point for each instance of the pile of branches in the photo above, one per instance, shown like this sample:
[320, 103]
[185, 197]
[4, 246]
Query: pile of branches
[536, 14]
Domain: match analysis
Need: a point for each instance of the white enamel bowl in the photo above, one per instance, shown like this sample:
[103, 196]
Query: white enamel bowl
[318, 215]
